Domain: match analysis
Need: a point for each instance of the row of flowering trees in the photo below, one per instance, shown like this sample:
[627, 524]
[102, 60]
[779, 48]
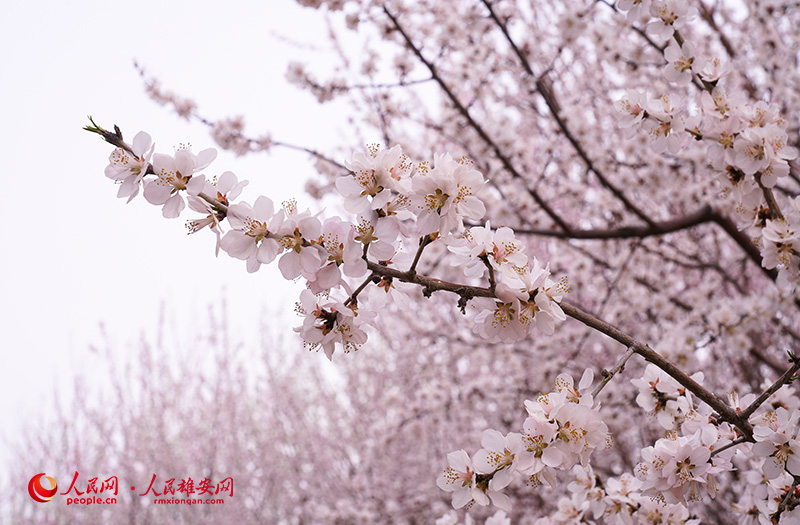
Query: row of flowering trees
[647, 149]
[194, 405]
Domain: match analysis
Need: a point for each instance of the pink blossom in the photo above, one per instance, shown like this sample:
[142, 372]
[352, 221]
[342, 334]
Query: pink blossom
[328, 323]
[446, 195]
[681, 63]
[129, 169]
[175, 174]
[255, 233]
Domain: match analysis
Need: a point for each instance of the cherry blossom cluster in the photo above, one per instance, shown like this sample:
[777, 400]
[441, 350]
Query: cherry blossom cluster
[401, 208]
[664, 399]
[684, 465]
[746, 141]
[563, 429]
[680, 468]
[526, 295]
[776, 438]
[775, 455]
[613, 500]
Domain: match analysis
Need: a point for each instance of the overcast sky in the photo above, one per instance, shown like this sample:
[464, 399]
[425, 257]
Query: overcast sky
[74, 255]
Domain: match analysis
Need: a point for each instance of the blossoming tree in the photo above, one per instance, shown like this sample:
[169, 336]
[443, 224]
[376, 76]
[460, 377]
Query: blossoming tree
[644, 148]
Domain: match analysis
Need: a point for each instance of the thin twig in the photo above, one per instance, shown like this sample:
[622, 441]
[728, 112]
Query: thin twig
[492, 281]
[785, 501]
[353, 299]
[214, 203]
[115, 139]
[310, 151]
[735, 442]
[608, 375]
[423, 242]
[787, 377]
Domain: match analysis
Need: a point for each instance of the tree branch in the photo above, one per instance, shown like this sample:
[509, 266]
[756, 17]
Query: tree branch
[473, 124]
[725, 412]
[786, 378]
[608, 375]
[545, 90]
[467, 292]
[703, 215]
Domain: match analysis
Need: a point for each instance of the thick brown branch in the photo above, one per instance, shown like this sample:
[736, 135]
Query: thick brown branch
[774, 209]
[428, 284]
[725, 412]
[466, 292]
[703, 215]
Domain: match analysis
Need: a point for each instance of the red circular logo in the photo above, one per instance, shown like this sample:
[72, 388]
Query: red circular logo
[38, 492]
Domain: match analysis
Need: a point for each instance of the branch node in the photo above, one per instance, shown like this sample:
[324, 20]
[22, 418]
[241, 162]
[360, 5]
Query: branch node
[465, 294]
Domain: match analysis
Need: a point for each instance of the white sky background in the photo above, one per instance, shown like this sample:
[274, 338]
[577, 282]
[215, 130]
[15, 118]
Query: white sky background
[73, 254]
